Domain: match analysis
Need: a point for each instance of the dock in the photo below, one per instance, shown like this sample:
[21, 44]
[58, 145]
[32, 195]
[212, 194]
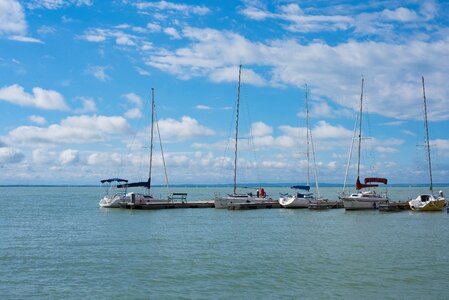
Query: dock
[394, 206]
[169, 205]
[326, 205]
[253, 205]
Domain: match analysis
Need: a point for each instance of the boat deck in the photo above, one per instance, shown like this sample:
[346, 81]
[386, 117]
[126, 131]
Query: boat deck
[170, 205]
[253, 205]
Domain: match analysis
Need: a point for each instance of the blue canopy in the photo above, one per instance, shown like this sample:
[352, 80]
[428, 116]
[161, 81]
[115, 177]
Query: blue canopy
[301, 187]
[113, 179]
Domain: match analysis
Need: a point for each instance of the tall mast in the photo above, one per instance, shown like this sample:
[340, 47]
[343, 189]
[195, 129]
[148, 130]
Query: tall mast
[360, 129]
[151, 139]
[309, 134]
[237, 130]
[308, 151]
[426, 125]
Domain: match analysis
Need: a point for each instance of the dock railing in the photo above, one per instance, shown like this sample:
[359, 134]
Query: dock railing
[178, 197]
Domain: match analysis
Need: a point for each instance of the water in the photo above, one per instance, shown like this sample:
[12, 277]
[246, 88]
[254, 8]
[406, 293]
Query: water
[57, 243]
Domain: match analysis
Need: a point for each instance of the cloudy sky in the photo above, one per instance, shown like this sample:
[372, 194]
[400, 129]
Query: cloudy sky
[76, 79]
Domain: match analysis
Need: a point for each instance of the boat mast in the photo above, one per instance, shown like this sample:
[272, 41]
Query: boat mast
[360, 129]
[426, 125]
[237, 130]
[308, 143]
[151, 139]
[309, 132]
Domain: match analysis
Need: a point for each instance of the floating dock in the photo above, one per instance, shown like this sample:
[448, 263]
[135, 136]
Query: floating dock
[253, 205]
[169, 205]
[394, 206]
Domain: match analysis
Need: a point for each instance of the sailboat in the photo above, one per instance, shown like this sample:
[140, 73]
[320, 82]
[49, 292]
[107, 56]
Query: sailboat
[363, 199]
[113, 195]
[132, 199]
[261, 196]
[303, 198]
[427, 202]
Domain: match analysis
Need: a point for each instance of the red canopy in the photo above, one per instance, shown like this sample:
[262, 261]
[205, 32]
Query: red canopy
[376, 179]
[359, 185]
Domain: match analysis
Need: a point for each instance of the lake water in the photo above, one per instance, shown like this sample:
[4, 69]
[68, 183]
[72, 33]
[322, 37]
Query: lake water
[57, 243]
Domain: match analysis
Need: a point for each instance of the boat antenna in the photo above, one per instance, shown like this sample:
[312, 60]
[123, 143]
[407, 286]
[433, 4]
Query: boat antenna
[151, 139]
[360, 128]
[237, 130]
[426, 125]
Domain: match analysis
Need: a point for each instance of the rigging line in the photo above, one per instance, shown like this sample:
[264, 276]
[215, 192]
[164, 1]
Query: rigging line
[360, 128]
[251, 142]
[237, 130]
[350, 152]
[151, 139]
[426, 124]
[162, 151]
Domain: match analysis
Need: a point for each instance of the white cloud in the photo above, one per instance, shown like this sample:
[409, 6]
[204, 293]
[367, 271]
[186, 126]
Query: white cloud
[134, 99]
[25, 39]
[324, 130]
[133, 113]
[56, 4]
[172, 32]
[10, 155]
[259, 129]
[72, 130]
[12, 18]
[44, 99]
[174, 7]
[98, 72]
[203, 107]
[184, 129]
[382, 149]
[37, 119]
[69, 156]
[88, 106]
[142, 72]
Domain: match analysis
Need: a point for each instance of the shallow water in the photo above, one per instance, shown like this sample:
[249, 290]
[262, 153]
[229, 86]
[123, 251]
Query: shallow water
[57, 243]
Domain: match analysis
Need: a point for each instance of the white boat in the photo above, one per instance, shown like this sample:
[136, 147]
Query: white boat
[428, 202]
[130, 199]
[261, 196]
[113, 195]
[302, 199]
[362, 199]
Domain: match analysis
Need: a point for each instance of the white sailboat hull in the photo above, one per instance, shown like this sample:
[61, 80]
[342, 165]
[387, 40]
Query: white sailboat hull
[427, 203]
[363, 201]
[112, 201]
[294, 202]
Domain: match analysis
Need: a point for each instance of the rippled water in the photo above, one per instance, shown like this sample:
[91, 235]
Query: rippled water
[57, 243]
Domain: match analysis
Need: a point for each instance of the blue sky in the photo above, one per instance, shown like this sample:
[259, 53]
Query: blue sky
[76, 78]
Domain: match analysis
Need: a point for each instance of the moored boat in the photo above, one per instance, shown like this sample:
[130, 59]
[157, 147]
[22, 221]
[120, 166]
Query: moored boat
[428, 202]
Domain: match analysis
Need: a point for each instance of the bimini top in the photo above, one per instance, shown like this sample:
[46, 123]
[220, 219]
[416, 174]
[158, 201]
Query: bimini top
[301, 187]
[113, 179]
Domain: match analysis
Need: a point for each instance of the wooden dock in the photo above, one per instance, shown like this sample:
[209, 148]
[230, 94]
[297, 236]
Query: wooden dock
[253, 205]
[394, 206]
[326, 205]
[169, 205]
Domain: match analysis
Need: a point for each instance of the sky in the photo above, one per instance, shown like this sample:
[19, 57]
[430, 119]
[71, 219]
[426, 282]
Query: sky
[76, 79]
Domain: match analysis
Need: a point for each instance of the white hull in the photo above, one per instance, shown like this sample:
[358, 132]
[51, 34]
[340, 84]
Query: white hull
[365, 200]
[114, 201]
[294, 202]
[223, 202]
[427, 203]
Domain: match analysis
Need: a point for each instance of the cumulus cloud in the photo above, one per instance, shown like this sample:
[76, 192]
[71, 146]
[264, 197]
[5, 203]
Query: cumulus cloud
[72, 130]
[259, 129]
[134, 99]
[12, 18]
[172, 32]
[44, 99]
[203, 107]
[184, 129]
[69, 156]
[133, 113]
[10, 155]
